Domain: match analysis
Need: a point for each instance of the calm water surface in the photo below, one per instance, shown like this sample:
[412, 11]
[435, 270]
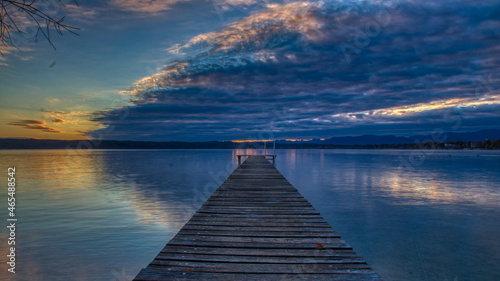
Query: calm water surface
[103, 215]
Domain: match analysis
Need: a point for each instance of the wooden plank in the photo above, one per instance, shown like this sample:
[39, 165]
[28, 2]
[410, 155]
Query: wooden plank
[250, 228]
[196, 257]
[291, 234]
[258, 211]
[256, 205]
[156, 274]
[259, 252]
[263, 200]
[257, 222]
[263, 268]
[251, 245]
[255, 216]
[257, 194]
[257, 226]
[266, 209]
[256, 240]
[256, 219]
[274, 202]
[250, 203]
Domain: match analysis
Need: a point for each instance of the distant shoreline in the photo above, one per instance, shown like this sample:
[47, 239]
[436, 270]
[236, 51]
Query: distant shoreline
[9, 144]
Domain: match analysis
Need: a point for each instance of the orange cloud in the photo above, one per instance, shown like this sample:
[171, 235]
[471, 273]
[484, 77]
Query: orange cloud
[422, 107]
[57, 120]
[53, 112]
[34, 125]
[145, 6]
[80, 13]
[5, 50]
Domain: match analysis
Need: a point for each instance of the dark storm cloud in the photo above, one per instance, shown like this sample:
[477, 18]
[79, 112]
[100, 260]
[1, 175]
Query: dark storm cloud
[305, 68]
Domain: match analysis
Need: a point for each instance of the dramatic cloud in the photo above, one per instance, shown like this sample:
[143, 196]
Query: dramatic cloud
[34, 125]
[312, 69]
[423, 107]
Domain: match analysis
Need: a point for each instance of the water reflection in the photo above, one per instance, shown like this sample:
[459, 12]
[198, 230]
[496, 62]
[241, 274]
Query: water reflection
[441, 180]
[112, 211]
[86, 214]
[435, 218]
[440, 191]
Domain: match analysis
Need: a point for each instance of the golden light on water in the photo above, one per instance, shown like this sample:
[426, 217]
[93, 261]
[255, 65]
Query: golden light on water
[418, 189]
[242, 141]
[292, 140]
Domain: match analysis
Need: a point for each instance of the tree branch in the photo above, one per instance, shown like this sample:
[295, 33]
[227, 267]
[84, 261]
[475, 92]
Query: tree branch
[12, 11]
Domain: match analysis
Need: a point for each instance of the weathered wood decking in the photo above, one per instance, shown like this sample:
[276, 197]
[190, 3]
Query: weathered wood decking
[257, 226]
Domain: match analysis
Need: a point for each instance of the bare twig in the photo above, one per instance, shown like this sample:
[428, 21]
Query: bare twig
[12, 10]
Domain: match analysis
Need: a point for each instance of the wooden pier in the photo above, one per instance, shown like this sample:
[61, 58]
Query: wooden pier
[257, 226]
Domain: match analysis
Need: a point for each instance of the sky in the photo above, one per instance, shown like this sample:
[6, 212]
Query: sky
[181, 70]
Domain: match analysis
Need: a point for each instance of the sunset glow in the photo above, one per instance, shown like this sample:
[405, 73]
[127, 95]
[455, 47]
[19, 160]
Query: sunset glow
[248, 71]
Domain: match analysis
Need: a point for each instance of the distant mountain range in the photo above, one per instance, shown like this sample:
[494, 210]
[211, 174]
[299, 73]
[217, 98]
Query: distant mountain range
[390, 139]
[334, 142]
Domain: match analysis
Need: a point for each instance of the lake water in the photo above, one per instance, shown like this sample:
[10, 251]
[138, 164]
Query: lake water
[105, 214]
